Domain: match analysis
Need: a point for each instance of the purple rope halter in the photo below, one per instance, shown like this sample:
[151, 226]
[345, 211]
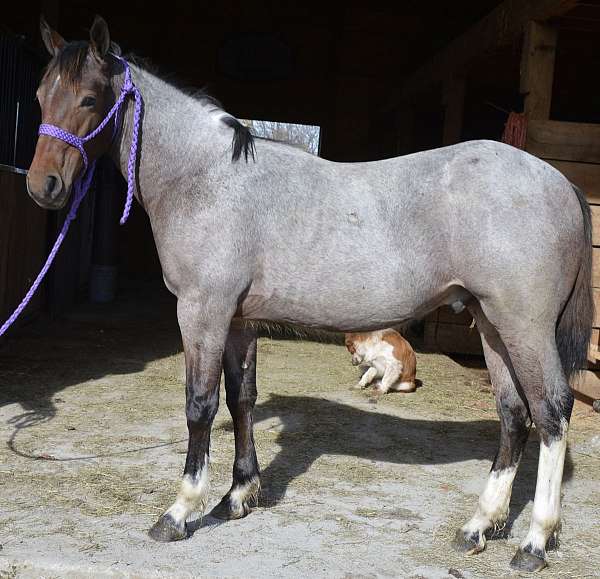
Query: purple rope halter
[82, 184]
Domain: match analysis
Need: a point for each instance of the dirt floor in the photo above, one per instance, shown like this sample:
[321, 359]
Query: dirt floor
[92, 445]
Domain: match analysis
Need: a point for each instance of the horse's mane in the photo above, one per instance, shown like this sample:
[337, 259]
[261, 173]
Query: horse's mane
[69, 63]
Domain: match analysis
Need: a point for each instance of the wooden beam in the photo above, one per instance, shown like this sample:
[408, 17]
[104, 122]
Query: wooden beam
[537, 69]
[593, 351]
[501, 27]
[595, 224]
[596, 294]
[596, 267]
[564, 141]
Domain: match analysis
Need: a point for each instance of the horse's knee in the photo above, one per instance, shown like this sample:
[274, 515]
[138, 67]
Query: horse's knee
[200, 410]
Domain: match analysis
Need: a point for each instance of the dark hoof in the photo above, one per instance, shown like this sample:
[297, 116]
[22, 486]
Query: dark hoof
[469, 544]
[527, 562]
[166, 530]
[229, 511]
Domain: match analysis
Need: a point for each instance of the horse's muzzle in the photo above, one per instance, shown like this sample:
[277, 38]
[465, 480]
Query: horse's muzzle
[50, 194]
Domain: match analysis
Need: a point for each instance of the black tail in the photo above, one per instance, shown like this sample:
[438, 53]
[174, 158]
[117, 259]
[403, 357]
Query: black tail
[574, 328]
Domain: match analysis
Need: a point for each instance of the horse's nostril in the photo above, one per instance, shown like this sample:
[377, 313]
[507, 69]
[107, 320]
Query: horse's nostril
[52, 185]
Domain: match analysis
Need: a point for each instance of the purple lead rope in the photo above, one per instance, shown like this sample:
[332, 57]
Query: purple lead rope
[82, 184]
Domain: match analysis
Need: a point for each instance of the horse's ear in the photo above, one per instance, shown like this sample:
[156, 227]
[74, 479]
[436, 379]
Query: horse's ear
[52, 39]
[99, 38]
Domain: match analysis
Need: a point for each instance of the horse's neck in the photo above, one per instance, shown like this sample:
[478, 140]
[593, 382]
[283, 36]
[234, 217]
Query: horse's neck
[179, 137]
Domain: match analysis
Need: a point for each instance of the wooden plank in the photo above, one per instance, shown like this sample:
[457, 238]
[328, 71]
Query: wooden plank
[596, 292]
[595, 224]
[587, 177]
[594, 350]
[501, 27]
[537, 69]
[563, 141]
[588, 385]
[596, 267]
[452, 338]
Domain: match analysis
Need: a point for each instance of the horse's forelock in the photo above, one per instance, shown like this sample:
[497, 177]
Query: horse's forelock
[69, 63]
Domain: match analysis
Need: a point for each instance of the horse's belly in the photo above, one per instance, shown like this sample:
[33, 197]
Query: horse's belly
[357, 307]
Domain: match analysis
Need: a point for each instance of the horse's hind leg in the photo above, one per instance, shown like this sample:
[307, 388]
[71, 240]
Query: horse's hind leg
[492, 509]
[239, 364]
[550, 399]
[204, 331]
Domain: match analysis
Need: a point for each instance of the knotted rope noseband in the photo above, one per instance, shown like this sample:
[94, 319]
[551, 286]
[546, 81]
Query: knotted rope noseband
[82, 184]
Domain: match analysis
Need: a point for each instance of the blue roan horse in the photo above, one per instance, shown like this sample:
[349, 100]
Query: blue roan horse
[292, 238]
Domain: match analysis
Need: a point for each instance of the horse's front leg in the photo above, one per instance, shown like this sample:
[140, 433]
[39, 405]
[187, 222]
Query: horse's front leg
[204, 331]
[239, 364]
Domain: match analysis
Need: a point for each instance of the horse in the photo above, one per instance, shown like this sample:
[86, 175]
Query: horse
[253, 230]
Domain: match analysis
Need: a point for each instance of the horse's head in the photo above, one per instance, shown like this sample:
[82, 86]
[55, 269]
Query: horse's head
[75, 94]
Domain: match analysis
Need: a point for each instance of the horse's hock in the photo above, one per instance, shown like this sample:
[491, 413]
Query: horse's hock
[349, 486]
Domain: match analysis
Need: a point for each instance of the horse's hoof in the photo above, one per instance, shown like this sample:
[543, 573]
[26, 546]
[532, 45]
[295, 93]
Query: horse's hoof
[229, 510]
[166, 529]
[527, 562]
[468, 543]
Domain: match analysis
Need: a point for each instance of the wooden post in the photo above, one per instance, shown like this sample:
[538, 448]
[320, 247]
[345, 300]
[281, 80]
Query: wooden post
[537, 69]
[453, 99]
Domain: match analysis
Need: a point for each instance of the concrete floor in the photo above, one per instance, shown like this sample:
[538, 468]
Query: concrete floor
[92, 444]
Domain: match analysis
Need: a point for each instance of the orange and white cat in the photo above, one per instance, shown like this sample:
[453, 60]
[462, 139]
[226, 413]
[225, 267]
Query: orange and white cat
[388, 356]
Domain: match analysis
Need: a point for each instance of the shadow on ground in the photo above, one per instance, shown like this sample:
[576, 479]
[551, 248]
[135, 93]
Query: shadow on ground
[93, 341]
[313, 427]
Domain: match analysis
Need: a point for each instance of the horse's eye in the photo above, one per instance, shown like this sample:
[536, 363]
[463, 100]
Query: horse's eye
[88, 101]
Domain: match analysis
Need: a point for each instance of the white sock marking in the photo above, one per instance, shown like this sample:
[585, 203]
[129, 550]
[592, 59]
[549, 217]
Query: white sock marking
[494, 501]
[546, 506]
[246, 492]
[192, 496]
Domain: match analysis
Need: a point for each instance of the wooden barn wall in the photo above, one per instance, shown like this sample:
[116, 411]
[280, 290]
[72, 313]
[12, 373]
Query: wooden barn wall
[22, 244]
